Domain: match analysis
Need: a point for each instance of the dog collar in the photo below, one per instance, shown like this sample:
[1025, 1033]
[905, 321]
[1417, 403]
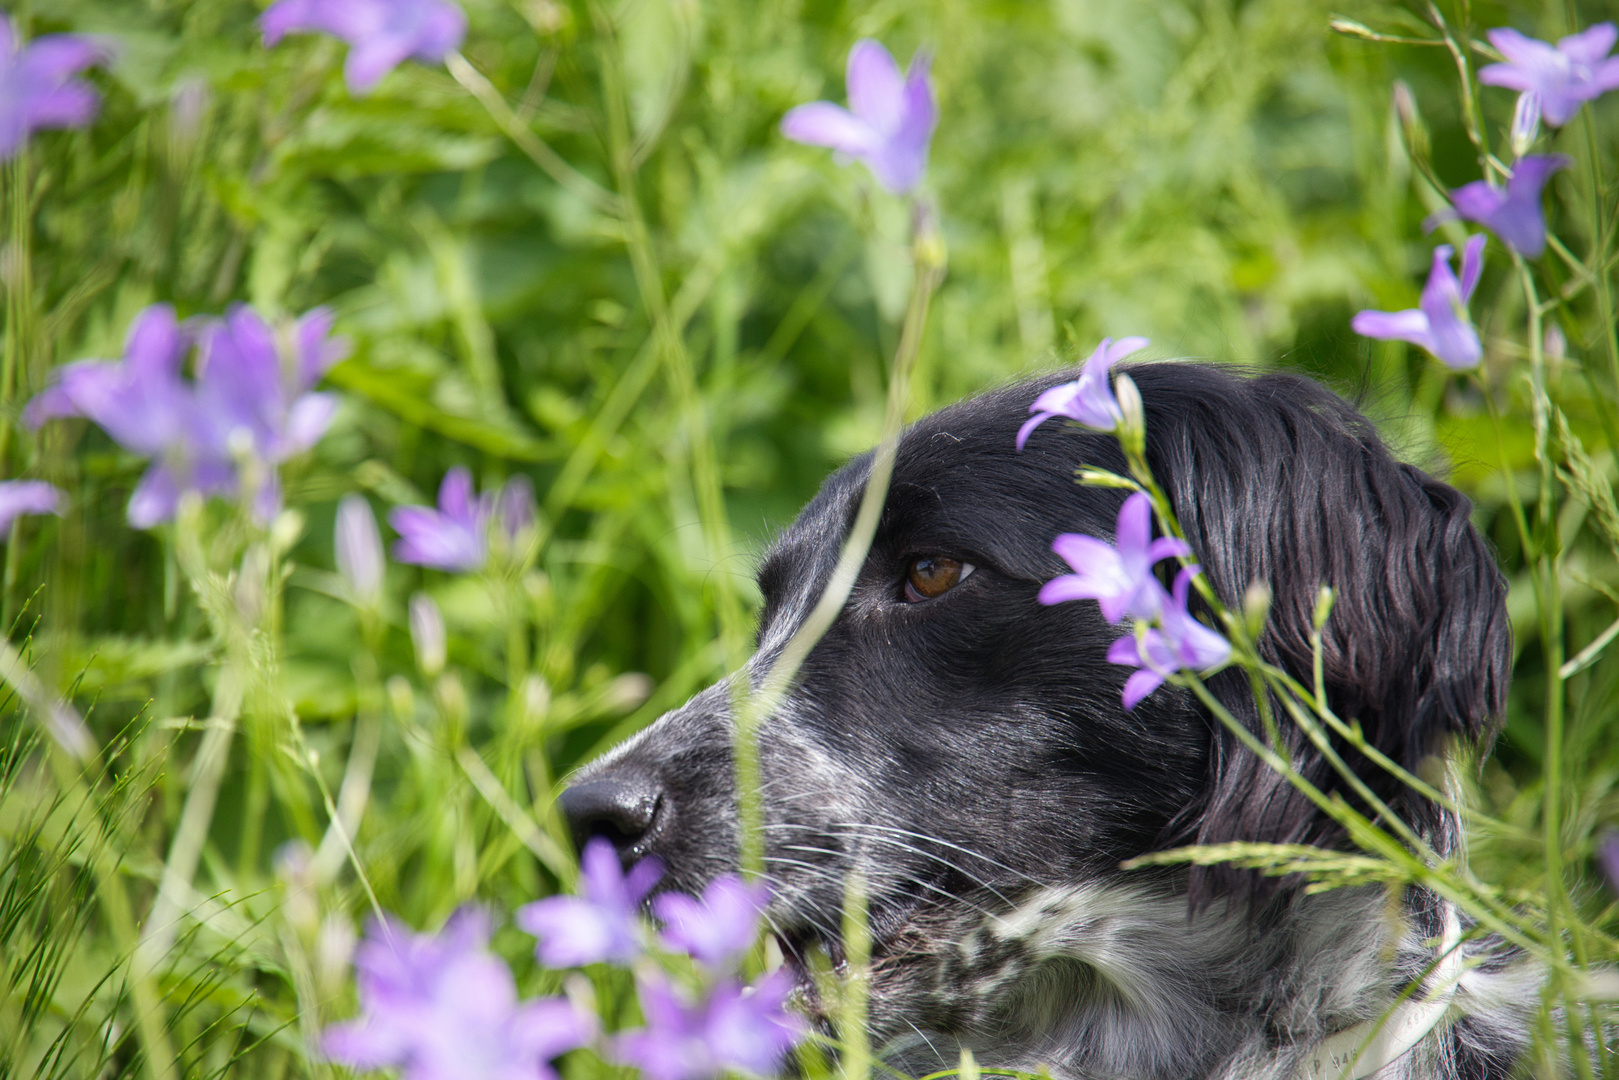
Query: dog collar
[1358, 1052]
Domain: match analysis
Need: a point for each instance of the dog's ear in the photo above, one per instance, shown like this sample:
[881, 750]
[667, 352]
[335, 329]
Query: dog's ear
[1277, 479]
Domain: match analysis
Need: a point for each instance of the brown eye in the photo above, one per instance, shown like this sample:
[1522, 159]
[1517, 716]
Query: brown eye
[934, 575]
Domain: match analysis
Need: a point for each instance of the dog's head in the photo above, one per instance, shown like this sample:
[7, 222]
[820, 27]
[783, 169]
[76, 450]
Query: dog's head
[963, 748]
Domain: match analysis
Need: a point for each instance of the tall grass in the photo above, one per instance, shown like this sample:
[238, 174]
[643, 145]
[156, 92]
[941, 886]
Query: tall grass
[580, 252]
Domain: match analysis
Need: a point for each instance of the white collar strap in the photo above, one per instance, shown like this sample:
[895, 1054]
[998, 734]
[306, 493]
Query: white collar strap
[1360, 1051]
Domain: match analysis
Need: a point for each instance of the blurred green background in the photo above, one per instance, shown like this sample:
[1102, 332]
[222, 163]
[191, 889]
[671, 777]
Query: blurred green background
[1223, 176]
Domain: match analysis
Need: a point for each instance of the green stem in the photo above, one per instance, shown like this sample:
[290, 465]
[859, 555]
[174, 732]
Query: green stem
[752, 710]
[677, 360]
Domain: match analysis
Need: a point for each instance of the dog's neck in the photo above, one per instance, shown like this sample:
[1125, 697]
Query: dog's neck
[1109, 981]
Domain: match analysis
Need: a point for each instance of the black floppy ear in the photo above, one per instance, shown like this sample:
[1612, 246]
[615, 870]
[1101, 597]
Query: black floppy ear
[1276, 478]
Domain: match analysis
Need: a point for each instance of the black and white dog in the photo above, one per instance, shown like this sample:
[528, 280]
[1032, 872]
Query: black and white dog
[963, 749]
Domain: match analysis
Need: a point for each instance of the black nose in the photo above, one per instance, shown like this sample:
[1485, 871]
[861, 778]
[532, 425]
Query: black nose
[624, 808]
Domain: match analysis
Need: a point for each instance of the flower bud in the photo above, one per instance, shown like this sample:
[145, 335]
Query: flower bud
[536, 699]
[294, 864]
[1256, 607]
[402, 699]
[1324, 600]
[627, 692]
[427, 634]
[359, 549]
[334, 948]
[1132, 419]
[1411, 125]
[1525, 123]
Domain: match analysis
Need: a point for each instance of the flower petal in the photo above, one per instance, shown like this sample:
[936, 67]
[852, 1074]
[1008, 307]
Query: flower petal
[875, 87]
[821, 123]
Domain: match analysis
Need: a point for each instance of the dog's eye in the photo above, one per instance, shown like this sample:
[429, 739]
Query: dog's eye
[934, 575]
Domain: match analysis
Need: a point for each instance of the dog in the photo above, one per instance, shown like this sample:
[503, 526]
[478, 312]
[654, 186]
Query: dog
[961, 750]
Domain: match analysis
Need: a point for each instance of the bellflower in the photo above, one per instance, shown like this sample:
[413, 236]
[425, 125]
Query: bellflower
[359, 549]
[888, 123]
[1179, 641]
[382, 34]
[37, 87]
[19, 497]
[258, 404]
[718, 929]
[1088, 399]
[1608, 858]
[735, 1028]
[442, 1007]
[146, 407]
[427, 635]
[604, 923]
[1440, 323]
[1514, 214]
[1564, 76]
[453, 537]
[1117, 575]
[514, 511]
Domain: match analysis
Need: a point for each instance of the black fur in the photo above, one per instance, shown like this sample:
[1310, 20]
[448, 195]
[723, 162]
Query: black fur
[969, 757]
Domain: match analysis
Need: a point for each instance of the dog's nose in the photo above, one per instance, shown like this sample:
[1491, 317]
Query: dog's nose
[621, 808]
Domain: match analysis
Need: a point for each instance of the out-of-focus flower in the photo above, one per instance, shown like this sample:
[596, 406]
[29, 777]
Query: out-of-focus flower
[442, 1007]
[1441, 323]
[514, 510]
[604, 923]
[735, 1028]
[19, 497]
[1608, 857]
[37, 87]
[888, 123]
[1179, 641]
[718, 929]
[427, 634]
[144, 404]
[359, 549]
[1088, 399]
[247, 408]
[382, 34]
[453, 537]
[1514, 214]
[1564, 76]
[1119, 575]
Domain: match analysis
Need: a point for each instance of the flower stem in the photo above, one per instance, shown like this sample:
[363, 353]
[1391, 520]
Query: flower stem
[752, 710]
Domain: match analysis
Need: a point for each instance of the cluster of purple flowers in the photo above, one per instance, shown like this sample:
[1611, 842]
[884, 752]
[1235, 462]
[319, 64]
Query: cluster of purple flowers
[1553, 81]
[381, 34]
[441, 1006]
[248, 410]
[1119, 576]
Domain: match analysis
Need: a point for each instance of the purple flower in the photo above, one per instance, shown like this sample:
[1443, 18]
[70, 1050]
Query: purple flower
[381, 34]
[442, 1007]
[1118, 575]
[1514, 214]
[37, 87]
[1563, 77]
[19, 497]
[1440, 323]
[735, 1028]
[720, 928]
[514, 510]
[1608, 857]
[256, 405]
[453, 537]
[146, 407]
[1179, 641]
[889, 121]
[1088, 399]
[604, 923]
[245, 405]
[359, 549]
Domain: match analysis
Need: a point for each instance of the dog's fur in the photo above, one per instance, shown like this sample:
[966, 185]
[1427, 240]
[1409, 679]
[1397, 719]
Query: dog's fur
[968, 756]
